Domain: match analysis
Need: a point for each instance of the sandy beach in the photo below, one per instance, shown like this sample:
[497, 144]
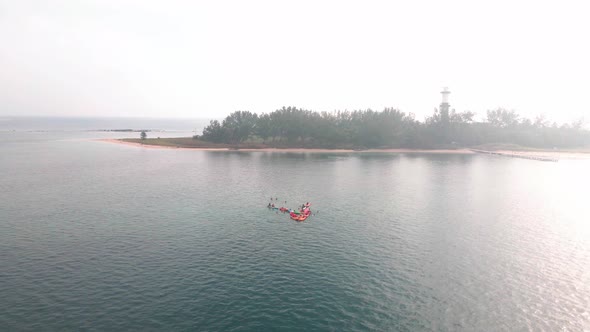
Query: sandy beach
[299, 150]
[549, 153]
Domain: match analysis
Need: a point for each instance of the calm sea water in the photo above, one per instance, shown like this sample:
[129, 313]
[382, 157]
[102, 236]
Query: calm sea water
[103, 237]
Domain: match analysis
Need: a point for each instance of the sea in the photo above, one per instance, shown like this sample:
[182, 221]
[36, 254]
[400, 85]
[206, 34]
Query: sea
[97, 236]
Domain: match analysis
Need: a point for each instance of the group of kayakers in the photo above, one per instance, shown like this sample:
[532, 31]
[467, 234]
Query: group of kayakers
[271, 204]
[303, 213]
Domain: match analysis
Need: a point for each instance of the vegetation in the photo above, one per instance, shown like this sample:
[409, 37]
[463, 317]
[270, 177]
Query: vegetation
[184, 142]
[143, 135]
[390, 128]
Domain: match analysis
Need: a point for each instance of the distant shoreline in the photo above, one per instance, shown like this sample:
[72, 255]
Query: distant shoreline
[187, 143]
[216, 147]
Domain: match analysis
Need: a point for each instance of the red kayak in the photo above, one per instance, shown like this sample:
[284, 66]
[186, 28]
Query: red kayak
[299, 217]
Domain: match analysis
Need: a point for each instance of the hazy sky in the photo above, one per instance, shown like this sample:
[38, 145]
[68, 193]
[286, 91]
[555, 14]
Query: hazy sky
[209, 58]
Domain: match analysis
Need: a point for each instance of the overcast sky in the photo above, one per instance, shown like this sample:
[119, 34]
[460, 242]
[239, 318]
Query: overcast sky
[209, 58]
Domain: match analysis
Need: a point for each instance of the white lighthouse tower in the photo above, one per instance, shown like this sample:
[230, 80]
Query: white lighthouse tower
[444, 105]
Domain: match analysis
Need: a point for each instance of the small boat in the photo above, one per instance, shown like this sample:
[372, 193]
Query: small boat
[299, 217]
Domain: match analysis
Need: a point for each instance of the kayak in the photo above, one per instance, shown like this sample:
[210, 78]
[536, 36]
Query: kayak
[299, 218]
[300, 215]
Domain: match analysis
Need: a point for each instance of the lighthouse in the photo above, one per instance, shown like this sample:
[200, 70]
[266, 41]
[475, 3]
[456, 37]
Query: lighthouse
[444, 105]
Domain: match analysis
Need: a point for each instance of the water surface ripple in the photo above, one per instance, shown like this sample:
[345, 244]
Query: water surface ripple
[101, 237]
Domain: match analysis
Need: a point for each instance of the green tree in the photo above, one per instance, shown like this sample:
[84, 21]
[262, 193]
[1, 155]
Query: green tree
[143, 135]
[239, 125]
[292, 126]
[213, 132]
[502, 118]
[263, 127]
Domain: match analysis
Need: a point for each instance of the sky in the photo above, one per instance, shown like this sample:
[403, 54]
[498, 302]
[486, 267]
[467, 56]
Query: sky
[206, 59]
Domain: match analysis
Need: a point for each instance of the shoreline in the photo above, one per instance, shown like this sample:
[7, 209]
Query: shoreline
[151, 146]
[463, 151]
[298, 150]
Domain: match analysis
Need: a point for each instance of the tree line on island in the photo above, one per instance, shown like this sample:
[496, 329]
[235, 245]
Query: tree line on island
[391, 128]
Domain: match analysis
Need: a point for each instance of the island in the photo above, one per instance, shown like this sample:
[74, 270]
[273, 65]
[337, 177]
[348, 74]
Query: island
[503, 132]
